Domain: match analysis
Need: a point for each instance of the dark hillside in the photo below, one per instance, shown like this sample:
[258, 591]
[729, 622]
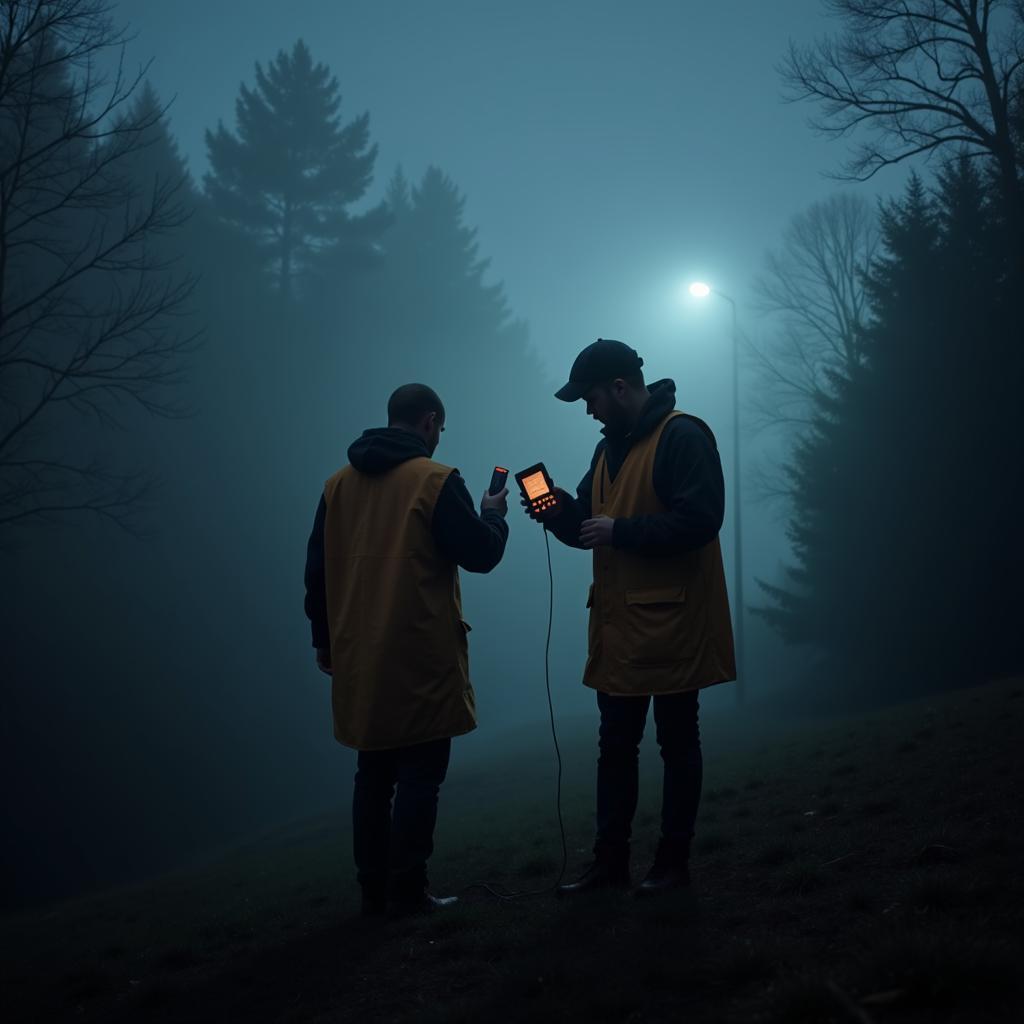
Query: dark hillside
[858, 869]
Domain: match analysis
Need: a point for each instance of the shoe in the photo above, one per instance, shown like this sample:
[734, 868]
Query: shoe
[426, 903]
[374, 904]
[663, 881]
[670, 870]
[375, 893]
[607, 872]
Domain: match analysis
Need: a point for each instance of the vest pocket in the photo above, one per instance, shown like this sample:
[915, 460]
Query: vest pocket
[656, 632]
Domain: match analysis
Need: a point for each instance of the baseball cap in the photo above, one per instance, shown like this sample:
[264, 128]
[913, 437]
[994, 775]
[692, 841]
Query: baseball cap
[604, 360]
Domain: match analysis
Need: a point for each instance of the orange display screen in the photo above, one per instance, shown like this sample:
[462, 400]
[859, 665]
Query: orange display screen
[535, 486]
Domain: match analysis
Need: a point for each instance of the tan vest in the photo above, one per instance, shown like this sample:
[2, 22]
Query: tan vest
[399, 650]
[658, 623]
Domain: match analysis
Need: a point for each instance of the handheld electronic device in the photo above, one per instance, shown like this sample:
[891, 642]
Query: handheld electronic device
[538, 488]
[498, 478]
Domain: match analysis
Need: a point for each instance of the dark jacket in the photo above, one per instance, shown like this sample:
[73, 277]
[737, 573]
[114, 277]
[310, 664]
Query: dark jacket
[474, 542]
[687, 480]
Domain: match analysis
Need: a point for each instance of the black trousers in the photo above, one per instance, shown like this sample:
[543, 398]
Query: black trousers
[678, 734]
[394, 810]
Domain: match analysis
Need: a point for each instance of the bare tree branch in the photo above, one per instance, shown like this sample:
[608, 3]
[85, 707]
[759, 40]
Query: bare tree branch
[920, 75]
[90, 312]
[812, 294]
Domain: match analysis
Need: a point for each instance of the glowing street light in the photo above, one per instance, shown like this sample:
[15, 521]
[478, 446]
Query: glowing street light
[700, 290]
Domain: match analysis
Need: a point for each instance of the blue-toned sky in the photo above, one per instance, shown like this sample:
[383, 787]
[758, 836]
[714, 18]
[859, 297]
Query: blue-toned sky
[608, 151]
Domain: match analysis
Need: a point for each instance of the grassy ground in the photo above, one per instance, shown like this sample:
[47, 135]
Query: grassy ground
[859, 870]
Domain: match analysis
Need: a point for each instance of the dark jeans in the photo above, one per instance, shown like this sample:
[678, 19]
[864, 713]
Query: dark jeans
[622, 728]
[397, 841]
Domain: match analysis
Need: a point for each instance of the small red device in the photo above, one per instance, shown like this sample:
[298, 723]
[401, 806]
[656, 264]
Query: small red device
[498, 478]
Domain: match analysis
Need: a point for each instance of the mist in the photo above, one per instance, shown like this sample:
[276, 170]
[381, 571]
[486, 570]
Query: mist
[518, 182]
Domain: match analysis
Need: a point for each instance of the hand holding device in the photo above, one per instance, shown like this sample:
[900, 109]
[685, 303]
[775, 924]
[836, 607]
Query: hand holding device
[542, 517]
[498, 478]
[496, 498]
[540, 496]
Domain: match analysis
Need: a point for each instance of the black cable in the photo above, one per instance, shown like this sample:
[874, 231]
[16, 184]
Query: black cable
[551, 712]
[504, 896]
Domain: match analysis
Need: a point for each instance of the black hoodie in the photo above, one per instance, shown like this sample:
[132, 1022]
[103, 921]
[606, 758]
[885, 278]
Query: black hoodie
[687, 479]
[475, 542]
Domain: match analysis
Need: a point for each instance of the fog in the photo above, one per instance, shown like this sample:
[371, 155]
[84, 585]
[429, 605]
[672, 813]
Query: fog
[161, 695]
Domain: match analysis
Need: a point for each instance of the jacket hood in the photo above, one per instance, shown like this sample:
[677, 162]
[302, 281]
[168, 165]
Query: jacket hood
[383, 448]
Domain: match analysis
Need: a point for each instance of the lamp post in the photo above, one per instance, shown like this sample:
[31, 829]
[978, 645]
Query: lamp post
[701, 291]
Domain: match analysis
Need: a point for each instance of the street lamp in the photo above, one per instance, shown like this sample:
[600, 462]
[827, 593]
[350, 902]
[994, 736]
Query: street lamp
[700, 290]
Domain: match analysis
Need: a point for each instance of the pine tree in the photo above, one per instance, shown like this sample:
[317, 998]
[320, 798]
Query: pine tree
[844, 469]
[430, 314]
[292, 170]
[441, 257]
[398, 198]
[434, 295]
[907, 560]
[156, 160]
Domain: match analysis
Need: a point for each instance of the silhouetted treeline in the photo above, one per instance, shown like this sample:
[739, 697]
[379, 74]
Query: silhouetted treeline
[905, 484]
[906, 489]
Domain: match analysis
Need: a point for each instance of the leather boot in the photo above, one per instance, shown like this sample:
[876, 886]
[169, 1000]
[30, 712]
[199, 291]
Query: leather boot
[425, 903]
[375, 894]
[610, 870]
[410, 893]
[670, 870]
[374, 903]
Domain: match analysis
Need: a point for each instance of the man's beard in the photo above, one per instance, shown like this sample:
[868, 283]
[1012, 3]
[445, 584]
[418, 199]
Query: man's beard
[616, 423]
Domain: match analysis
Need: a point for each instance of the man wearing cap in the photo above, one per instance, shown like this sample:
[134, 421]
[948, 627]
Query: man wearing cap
[650, 508]
[382, 595]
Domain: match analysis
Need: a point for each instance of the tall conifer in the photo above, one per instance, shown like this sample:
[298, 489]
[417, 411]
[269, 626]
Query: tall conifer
[289, 175]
